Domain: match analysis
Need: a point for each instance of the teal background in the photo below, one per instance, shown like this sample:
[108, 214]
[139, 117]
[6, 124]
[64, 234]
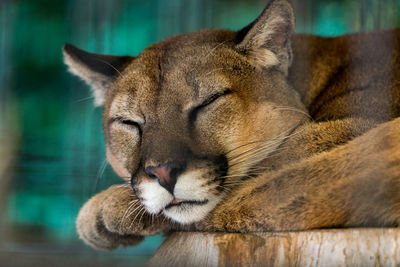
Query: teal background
[51, 142]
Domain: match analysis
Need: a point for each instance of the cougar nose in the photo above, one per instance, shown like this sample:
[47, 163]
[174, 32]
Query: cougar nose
[164, 174]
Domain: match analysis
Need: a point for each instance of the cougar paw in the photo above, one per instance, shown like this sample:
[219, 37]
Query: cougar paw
[124, 214]
[115, 217]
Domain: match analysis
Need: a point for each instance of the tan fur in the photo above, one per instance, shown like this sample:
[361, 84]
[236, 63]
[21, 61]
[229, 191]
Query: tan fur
[356, 184]
[260, 155]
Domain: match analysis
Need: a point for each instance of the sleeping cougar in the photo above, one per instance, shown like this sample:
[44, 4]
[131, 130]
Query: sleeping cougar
[255, 130]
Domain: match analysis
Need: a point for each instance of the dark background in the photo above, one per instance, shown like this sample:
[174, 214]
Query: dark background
[51, 142]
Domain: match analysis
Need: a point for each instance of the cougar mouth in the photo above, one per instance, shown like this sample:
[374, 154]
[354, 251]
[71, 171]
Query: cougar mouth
[179, 202]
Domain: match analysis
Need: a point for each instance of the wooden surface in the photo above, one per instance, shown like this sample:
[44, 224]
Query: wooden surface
[341, 247]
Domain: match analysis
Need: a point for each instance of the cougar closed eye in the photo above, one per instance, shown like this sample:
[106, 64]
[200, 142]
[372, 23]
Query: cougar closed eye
[127, 122]
[211, 99]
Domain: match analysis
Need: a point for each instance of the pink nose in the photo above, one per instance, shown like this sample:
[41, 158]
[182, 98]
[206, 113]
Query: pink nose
[162, 174]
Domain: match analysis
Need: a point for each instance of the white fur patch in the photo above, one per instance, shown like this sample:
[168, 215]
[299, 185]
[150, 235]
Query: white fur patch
[188, 213]
[190, 187]
[155, 197]
[263, 57]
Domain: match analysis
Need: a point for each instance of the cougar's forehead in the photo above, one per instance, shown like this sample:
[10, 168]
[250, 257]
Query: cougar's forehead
[165, 79]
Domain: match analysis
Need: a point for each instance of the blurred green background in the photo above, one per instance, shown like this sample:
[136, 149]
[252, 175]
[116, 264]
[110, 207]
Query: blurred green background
[52, 155]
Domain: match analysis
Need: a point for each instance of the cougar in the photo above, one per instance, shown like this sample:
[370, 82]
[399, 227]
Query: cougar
[255, 130]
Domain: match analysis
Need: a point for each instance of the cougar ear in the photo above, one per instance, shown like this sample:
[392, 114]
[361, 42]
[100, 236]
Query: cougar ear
[98, 71]
[266, 41]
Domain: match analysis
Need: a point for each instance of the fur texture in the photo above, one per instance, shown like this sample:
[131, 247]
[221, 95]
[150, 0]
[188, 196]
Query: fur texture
[255, 130]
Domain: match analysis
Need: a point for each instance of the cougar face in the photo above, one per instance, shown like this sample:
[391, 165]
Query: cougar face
[190, 117]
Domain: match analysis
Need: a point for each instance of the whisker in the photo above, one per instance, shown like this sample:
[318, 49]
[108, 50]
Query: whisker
[127, 189]
[108, 64]
[272, 142]
[255, 153]
[235, 183]
[120, 192]
[251, 156]
[120, 185]
[84, 99]
[293, 109]
[130, 206]
[99, 175]
[133, 211]
[261, 168]
[144, 211]
[214, 48]
[163, 219]
[252, 152]
[278, 139]
[142, 208]
[225, 188]
[249, 143]
[214, 70]
[230, 176]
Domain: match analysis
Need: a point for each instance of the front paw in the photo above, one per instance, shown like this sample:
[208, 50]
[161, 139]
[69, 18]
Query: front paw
[115, 217]
[123, 213]
[243, 211]
[228, 218]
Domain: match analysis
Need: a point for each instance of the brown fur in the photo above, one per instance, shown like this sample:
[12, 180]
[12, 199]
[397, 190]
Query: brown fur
[351, 75]
[266, 155]
[353, 185]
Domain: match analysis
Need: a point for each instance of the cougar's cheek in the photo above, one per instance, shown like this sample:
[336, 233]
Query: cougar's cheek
[117, 166]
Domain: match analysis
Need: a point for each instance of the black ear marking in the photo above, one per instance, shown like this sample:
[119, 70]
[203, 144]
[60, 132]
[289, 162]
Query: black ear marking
[97, 70]
[107, 65]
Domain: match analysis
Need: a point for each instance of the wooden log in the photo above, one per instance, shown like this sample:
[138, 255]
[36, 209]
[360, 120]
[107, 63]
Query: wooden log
[336, 247]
